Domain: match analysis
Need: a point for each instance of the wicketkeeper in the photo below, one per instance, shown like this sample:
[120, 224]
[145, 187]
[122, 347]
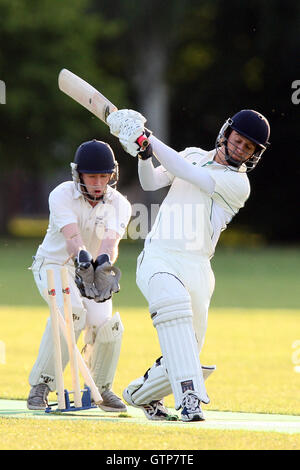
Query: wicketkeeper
[207, 189]
[88, 218]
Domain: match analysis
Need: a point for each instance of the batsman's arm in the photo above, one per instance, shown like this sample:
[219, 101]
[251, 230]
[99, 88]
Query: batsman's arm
[130, 123]
[181, 168]
[152, 178]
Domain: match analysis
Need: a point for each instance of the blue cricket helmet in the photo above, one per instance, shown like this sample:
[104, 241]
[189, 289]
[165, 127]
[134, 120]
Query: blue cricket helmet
[252, 125]
[95, 156]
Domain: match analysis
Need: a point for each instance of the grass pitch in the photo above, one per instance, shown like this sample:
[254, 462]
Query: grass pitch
[253, 327]
[251, 349]
[245, 278]
[60, 435]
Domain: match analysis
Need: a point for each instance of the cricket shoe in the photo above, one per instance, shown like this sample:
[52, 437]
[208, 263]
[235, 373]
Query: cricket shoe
[155, 410]
[37, 398]
[191, 407]
[111, 402]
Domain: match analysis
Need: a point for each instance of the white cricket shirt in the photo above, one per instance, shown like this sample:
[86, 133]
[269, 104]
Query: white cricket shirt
[189, 219]
[67, 205]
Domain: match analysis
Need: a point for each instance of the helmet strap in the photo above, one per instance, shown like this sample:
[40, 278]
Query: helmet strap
[226, 131]
[231, 160]
[228, 158]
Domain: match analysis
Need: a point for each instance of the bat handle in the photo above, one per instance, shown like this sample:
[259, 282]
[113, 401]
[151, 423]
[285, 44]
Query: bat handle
[143, 141]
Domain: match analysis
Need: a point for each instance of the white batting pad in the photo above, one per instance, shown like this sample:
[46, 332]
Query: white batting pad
[102, 351]
[171, 311]
[155, 384]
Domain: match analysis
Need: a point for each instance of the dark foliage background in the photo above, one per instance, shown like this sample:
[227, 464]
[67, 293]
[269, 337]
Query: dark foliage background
[187, 65]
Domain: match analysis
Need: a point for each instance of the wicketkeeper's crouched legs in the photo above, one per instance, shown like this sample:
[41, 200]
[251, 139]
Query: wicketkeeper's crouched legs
[102, 351]
[43, 370]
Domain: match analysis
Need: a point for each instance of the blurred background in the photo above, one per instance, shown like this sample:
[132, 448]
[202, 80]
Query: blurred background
[187, 65]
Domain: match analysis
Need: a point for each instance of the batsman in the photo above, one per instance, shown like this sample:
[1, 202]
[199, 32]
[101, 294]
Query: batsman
[206, 190]
[88, 218]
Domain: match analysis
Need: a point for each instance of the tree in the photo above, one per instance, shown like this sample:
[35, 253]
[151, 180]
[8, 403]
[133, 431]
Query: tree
[41, 127]
[148, 34]
[233, 56]
[191, 64]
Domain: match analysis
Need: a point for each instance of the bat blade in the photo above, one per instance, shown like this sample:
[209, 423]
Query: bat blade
[85, 94]
[90, 98]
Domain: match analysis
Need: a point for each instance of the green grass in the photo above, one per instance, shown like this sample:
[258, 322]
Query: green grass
[250, 278]
[255, 373]
[253, 323]
[256, 278]
[17, 285]
[32, 434]
[251, 348]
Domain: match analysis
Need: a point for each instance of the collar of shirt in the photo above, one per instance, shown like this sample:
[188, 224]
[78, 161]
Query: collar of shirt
[210, 161]
[77, 194]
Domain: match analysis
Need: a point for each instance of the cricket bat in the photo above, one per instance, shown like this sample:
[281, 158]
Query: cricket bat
[90, 98]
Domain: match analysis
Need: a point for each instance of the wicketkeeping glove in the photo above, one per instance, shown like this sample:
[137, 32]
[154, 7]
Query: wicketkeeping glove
[84, 274]
[106, 278]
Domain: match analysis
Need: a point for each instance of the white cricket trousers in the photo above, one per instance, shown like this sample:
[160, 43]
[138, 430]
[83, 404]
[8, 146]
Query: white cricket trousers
[192, 270]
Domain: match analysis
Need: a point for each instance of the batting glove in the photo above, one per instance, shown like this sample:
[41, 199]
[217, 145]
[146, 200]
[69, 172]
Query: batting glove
[117, 118]
[148, 151]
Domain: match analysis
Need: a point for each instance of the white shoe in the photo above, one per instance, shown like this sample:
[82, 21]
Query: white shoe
[155, 410]
[191, 407]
